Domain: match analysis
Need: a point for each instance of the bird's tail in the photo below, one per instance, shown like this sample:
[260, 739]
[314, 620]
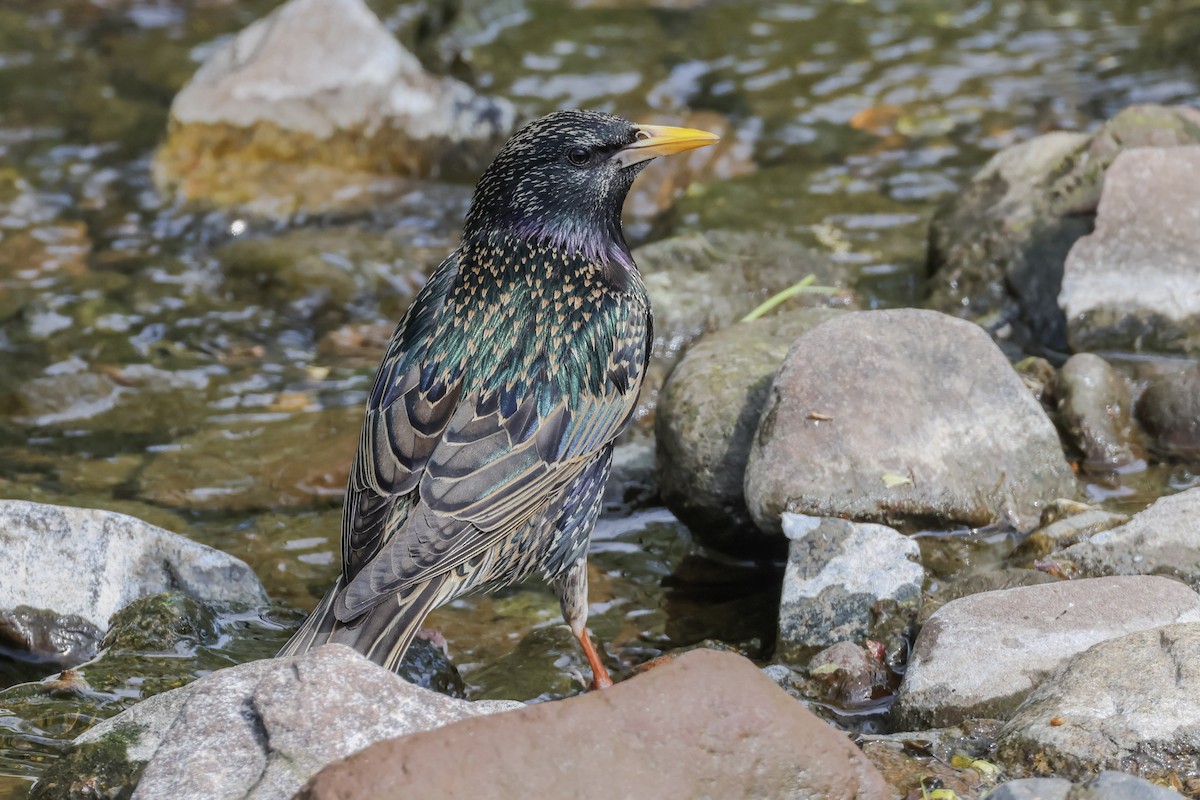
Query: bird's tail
[382, 633]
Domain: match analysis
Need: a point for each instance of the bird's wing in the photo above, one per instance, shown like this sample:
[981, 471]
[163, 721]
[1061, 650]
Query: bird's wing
[408, 408]
[506, 450]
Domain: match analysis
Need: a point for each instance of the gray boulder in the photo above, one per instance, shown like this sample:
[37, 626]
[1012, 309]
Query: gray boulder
[1105, 786]
[86, 565]
[997, 250]
[1134, 284]
[1170, 411]
[903, 417]
[314, 101]
[838, 575]
[260, 730]
[1128, 703]
[1095, 406]
[980, 656]
[707, 415]
[1164, 539]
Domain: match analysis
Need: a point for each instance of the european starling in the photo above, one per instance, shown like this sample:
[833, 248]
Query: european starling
[489, 431]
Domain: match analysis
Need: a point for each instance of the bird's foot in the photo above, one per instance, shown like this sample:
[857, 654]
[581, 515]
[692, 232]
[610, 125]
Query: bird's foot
[600, 676]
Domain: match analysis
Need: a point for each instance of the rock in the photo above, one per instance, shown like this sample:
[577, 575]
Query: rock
[853, 677]
[997, 250]
[1032, 789]
[980, 656]
[1068, 531]
[1105, 786]
[1134, 284]
[1162, 540]
[42, 636]
[1170, 411]
[838, 575]
[688, 728]
[90, 564]
[700, 283]
[707, 415]
[307, 107]
[904, 417]
[1127, 703]
[160, 622]
[967, 585]
[1095, 406]
[299, 460]
[259, 730]
[957, 758]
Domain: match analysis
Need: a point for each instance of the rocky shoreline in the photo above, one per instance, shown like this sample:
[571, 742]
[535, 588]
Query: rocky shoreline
[965, 596]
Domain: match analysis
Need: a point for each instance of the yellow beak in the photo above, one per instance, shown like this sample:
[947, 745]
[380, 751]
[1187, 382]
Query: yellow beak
[661, 140]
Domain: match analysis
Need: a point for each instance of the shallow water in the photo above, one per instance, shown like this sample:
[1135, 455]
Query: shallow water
[145, 370]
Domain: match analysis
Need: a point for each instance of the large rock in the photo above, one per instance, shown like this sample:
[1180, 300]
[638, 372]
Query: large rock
[1128, 703]
[706, 724]
[903, 417]
[85, 565]
[260, 730]
[997, 249]
[1170, 411]
[1095, 405]
[838, 576]
[1134, 284]
[700, 283]
[980, 656]
[312, 100]
[707, 415]
[1164, 539]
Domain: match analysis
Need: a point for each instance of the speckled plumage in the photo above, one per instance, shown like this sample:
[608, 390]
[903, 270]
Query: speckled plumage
[488, 434]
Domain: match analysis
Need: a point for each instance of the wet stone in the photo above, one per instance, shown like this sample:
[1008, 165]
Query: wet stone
[161, 622]
[1170, 411]
[838, 574]
[42, 636]
[1095, 406]
[707, 415]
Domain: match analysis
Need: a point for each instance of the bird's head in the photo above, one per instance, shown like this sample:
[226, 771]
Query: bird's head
[563, 179]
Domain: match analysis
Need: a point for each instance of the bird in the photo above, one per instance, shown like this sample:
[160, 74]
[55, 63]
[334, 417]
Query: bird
[488, 434]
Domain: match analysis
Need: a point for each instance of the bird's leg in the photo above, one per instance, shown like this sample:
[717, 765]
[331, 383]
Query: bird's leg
[572, 587]
[600, 676]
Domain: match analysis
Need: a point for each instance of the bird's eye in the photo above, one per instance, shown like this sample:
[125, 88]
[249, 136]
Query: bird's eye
[578, 156]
